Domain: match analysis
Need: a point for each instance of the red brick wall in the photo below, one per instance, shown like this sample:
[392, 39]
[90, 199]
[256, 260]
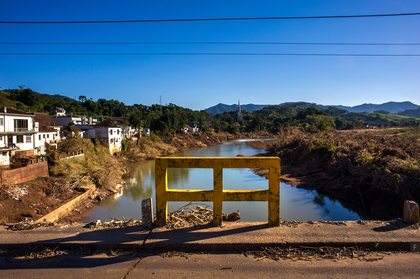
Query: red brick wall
[24, 174]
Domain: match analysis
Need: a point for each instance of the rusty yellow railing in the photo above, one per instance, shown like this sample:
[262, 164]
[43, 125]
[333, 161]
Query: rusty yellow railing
[218, 195]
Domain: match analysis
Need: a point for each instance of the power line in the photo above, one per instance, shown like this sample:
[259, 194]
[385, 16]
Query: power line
[210, 43]
[208, 54]
[208, 19]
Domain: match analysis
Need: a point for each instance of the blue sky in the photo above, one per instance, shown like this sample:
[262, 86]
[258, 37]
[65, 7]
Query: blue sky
[198, 82]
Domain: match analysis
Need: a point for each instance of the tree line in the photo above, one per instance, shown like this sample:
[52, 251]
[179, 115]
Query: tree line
[171, 118]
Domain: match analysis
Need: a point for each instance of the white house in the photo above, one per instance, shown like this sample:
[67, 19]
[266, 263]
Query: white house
[108, 131]
[76, 120]
[45, 135]
[16, 133]
[59, 111]
[110, 135]
[48, 132]
[191, 128]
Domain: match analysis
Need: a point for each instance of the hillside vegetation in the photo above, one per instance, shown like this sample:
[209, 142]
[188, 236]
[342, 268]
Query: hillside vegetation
[97, 165]
[168, 119]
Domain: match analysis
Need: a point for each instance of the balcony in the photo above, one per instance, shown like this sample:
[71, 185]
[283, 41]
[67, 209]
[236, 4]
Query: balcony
[17, 131]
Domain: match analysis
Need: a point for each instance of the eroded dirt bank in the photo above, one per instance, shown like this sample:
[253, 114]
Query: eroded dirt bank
[376, 170]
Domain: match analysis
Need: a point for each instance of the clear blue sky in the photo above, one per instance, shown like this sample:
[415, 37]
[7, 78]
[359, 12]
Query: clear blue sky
[198, 82]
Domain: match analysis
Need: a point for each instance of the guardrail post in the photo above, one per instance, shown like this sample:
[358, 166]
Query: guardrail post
[274, 196]
[217, 195]
[161, 187]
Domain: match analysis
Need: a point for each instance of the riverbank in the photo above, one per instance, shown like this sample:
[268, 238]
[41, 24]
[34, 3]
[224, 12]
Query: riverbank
[69, 178]
[155, 148]
[148, 148]
[376, 170]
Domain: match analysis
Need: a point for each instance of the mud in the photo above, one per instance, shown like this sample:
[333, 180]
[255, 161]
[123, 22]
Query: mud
[32, 200]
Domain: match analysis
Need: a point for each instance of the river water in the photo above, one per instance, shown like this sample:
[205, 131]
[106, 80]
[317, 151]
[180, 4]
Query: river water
[295, 204]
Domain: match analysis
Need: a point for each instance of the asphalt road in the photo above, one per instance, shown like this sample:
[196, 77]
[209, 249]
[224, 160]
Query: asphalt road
[205, 265]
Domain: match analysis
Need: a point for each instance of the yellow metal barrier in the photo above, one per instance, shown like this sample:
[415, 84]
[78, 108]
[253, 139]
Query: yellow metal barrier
[218, 195]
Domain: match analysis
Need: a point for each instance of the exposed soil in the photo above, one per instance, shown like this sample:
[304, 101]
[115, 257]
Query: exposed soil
[32, 200]
[29, 201]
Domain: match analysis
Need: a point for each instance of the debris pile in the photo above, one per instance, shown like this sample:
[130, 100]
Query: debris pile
[25, 225]
[19, 160]
[114, 223]
[317, 253]
[27, 252]
[16, 192]
[187, 217]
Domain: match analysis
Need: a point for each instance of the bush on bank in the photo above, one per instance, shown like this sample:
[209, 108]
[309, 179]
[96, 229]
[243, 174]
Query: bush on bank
[376, 169]
[97, 164]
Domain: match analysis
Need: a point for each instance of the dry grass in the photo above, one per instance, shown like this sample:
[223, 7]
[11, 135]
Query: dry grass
[97, 165]
[376, 169]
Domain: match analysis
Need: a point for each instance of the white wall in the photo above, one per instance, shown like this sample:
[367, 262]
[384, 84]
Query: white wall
[23, 135]
[44, 137]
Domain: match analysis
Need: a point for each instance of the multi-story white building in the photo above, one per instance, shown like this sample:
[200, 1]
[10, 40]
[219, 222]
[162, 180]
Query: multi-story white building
[17, 129]
[76, 120]
[46, 135]
[48, 132]
[107, 134]
[109, 131]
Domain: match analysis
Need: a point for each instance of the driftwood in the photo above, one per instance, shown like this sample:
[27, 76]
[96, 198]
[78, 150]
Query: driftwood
[187, 217]
[24, 225]
[317, 253]
[114, 223]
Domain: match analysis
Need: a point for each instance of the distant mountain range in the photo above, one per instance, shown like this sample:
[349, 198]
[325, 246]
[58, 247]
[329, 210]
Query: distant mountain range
[392, 107]
[220, 108]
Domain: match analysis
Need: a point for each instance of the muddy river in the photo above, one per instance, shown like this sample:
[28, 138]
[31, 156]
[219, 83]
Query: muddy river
[295, 204]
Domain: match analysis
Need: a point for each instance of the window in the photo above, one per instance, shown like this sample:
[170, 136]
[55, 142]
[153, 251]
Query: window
[28, 138]
[1, 137]
[21, 125]
[118, 132]
[110, 132]
[39, 137]
[1, 121]
[19, 139]
[48, 136]
[43, 136]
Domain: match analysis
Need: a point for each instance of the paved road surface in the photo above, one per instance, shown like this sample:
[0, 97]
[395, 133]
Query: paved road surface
[206, 265]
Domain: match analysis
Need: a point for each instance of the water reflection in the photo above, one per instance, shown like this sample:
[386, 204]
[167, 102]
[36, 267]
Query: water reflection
[295, 204]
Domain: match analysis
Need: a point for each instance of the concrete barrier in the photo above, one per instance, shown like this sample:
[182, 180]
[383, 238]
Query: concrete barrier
[66, 208]
[74, 154]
